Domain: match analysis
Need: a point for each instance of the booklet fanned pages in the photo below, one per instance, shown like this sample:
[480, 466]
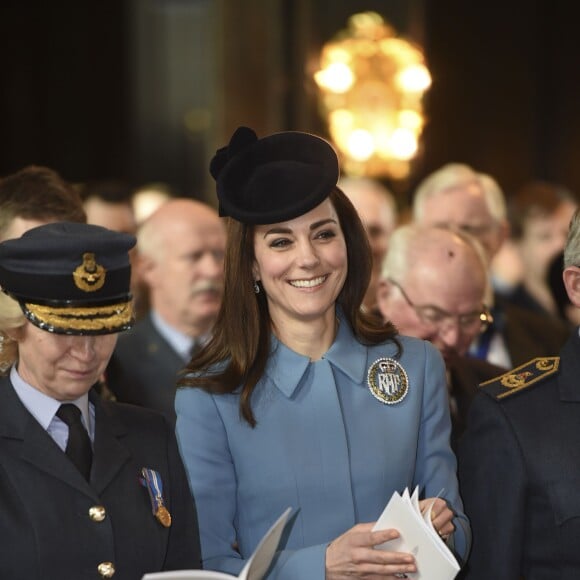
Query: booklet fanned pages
[434, 559]
[255, 567]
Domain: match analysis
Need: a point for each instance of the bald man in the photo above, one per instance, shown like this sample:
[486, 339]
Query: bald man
[433, 286]
[181, 249]
[458, 196]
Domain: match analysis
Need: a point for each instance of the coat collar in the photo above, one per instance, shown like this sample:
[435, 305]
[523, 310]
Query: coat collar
[286, 368]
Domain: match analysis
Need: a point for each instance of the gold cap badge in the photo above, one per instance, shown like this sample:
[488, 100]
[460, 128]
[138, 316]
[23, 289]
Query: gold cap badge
[89, 276]
[388, 381]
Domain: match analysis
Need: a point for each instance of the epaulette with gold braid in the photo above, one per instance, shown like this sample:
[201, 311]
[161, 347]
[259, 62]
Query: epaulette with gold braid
[522, 377]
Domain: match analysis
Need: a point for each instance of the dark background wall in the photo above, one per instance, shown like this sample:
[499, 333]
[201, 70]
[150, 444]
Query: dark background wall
[147, 89]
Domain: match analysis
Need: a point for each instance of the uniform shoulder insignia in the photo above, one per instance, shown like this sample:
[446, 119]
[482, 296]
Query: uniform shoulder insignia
[522, 377]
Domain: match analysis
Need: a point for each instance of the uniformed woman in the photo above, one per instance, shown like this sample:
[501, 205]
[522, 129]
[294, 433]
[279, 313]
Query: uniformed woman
[300, 399]
[88, 489]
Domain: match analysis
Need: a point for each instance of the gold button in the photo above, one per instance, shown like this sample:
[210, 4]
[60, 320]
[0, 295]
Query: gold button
[106, 569]
[97, 513]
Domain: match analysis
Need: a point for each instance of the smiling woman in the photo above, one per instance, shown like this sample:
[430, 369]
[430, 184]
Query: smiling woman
[302, 266]
[288, 404]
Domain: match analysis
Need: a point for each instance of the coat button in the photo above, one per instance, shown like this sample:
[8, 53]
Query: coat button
[97, 513]
[106, 569]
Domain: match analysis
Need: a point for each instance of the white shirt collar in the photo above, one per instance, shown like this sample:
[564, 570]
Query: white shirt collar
[42, 407]
[179, 342]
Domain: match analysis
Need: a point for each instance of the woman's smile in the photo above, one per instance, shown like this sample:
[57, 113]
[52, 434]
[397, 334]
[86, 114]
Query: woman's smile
[308, 283]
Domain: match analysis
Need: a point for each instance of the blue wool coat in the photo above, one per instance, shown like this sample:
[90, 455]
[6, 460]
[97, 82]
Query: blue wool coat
[323, 445]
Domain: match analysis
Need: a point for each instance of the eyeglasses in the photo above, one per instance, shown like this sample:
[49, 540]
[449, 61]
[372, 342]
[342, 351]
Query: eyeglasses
[436, 317]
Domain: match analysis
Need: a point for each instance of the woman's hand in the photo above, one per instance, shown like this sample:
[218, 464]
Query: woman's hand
[441, 516]
[353, 556]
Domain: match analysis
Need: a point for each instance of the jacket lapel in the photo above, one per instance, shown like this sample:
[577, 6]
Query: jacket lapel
[109, 454]
[33, 443]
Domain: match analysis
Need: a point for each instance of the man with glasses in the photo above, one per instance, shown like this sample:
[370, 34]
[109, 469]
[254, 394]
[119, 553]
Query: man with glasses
[457, 196]
[433, 286]
[519, 461]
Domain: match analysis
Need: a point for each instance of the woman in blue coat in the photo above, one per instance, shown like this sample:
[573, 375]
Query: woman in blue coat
[300, 399]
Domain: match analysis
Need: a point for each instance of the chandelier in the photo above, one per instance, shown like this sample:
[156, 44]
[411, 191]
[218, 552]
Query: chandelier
[370, 85]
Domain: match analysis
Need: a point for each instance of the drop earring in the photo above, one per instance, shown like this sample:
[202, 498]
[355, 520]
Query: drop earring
[256, 287]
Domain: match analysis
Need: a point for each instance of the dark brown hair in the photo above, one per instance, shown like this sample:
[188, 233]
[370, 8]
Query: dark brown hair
[238, 351]
[38, 193]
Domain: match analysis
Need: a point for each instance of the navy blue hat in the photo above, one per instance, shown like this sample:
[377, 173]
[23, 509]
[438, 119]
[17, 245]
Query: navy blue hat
[274, 179]
[70, 278]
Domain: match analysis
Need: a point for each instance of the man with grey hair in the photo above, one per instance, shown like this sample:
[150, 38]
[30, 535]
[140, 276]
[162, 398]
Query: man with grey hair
[433, 286]
[519, 464]
[460, 197]
[377, 209]
[457, 196]
[181, 249]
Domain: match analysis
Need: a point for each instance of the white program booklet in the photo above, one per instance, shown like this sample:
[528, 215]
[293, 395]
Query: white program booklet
[434, 559]
[254, 569]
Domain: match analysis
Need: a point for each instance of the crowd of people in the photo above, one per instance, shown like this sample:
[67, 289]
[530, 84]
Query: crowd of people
[171, 381]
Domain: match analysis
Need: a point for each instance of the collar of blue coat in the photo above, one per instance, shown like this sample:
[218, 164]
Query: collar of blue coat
[286, 368]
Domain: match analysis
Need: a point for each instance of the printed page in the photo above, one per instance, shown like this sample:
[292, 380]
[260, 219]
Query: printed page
[189, 575]
[254, 569]
[260, 561]
[434, 559]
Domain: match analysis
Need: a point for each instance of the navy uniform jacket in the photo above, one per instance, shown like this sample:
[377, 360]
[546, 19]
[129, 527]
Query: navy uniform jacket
[46, 528]
[519, 468]
[323, 445]
[143, 369]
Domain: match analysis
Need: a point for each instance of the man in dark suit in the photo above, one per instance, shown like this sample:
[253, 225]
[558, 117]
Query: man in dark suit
[433, 286]
[181, 248]
[519, 463]
[88, 488]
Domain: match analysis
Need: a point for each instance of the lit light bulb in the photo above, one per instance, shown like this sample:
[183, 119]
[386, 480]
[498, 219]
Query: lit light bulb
[336, 77]
[414, 78]
[360, 145]
[403, 144]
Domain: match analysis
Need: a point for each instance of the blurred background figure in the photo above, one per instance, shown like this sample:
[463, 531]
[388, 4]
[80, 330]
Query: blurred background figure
[433, 286]
[35, 196]
[149, 198]
[457, 196]
[181, 249]
[540, 215]
[109, 204]
[506, 268]
[377, 209]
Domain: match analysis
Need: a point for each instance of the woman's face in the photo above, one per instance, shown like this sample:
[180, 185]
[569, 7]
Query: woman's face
[302, 264]
[61, 366]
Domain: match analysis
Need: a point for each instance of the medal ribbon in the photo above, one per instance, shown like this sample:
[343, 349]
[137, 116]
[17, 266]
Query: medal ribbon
[152, 481]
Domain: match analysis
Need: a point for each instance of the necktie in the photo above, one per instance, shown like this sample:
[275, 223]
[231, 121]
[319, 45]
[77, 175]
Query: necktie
[78, 447]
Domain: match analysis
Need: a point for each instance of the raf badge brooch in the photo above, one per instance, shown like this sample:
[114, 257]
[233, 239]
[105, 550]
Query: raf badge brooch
[388, 381]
